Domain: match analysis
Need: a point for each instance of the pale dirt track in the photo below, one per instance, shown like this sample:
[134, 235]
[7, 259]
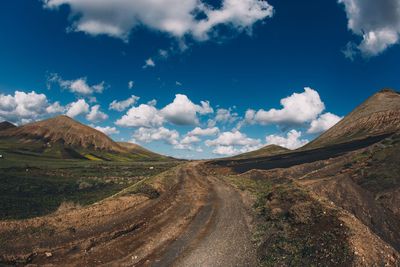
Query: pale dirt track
[200, 221]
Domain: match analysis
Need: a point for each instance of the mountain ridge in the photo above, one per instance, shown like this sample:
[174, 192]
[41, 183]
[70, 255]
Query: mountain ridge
[379, 114]
[67, 138]
[6, 125]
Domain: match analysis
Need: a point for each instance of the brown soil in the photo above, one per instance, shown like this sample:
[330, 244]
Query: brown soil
[193, 213]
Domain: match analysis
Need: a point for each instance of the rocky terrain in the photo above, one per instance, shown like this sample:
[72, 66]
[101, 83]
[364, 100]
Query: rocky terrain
[335, 201]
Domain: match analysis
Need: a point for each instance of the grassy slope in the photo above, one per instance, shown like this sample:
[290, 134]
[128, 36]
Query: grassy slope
[263, 152]
[33, 186]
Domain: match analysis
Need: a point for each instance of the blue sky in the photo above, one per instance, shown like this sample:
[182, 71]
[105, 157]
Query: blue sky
[238, 57]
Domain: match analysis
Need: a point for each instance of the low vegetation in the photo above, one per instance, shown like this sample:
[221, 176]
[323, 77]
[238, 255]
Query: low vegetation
[30, 187]
[294, 229]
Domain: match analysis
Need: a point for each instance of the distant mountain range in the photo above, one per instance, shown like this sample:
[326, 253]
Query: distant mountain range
[65, 138]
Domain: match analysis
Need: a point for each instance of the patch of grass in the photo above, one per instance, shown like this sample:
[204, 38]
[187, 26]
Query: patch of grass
[30, 189]
[147, 190]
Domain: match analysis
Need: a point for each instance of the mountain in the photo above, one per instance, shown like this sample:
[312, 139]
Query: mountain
[140, 151]
[268, 150]
[63, 137]
[371, 122]
[63, 130]
[349, 175]
[6, 125]
[378, 115]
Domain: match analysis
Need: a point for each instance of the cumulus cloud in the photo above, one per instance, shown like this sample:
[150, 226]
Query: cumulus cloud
[235, 138]
[377, 22]
[225, 150]
[56, 107]
[291, 141]
[25, 107]
[78, 86]
[190, 139]
[232, 150]
[175, 17]
[152, 103]
[323, 123]
[226, 115]
[193, 137]
[203, 132]
[106, 130]
[77, 108]
[96, 115]
[296, 109]
[131, 84]
[148, 135]
[122, 105]
[187, 142]
[141, 116]
[182, 111]
[149, 63]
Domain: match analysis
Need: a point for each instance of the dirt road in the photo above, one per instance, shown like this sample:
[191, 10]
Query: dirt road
[198, 221]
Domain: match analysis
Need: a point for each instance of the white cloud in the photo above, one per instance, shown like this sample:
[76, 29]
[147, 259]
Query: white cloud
[323, 123]
[377, 22]
[233, 138]
[175, 17]
[225, 150]
[131, 84]
[149, 63]
[182, 111]
[292, 140]
[297, 109]
[76, 108]
[187, 142]
[152, 103]
[106, 130]
[190, 139]
[122, 105]
[203, 132]
[226, 116]
[78, 86]
[141, 116]
[148, 135]
[96, 115]
[232, 150]
[163, 53]
[239, 14]
[55, 108]
[25, 107]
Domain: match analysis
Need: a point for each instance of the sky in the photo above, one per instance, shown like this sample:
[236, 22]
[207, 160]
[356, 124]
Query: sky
[196, 78]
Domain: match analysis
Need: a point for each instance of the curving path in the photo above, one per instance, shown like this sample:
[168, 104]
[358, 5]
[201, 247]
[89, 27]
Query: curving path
[199, 221]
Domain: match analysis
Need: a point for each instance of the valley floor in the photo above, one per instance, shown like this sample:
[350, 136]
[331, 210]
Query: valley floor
[190, 224]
